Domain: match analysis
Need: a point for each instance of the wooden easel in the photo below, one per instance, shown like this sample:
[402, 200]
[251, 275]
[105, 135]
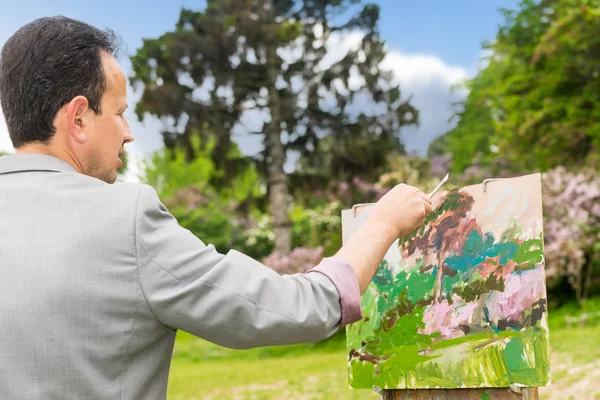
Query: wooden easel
[513, 393]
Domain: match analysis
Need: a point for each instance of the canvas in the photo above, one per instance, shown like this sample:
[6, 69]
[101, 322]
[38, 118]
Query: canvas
[462, 301]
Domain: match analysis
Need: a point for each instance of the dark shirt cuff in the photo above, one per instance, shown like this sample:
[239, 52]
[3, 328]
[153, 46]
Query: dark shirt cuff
[344, 279]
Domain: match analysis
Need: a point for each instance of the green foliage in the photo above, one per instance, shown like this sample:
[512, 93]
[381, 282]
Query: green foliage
[168, 171]
[259, 239]
[536, 102]
[573, 308]
[438, 146]
[410, 170]
[320, 226]
[472, 139]
[217, 215]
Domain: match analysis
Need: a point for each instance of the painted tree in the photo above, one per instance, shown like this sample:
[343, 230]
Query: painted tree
[444, 232]
[265, 61]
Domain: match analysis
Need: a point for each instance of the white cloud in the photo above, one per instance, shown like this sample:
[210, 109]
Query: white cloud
[5, 143]
[428, 79]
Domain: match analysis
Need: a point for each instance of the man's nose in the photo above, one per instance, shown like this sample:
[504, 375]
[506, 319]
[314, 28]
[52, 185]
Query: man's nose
[128, 136]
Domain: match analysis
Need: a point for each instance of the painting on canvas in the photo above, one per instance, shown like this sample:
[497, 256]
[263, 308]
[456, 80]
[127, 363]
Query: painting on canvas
[462, 301]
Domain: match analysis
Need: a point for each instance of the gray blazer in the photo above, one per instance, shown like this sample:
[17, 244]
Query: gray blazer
[95, 280]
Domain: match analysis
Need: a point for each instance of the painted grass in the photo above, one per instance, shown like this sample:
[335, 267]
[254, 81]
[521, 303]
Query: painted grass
[508, 357]
[201, 370]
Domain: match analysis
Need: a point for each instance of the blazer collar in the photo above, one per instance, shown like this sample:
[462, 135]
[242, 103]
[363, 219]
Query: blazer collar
[33, 162]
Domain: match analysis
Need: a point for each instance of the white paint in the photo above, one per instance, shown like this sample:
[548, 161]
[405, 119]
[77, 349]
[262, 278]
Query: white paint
[506, 204]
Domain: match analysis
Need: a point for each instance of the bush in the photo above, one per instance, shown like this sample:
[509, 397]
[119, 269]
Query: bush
[258, 237]
[318, 227]
[572, 228]
[200, 211]
[299, 260]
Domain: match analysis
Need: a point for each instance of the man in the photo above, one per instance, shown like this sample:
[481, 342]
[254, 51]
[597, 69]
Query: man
[95, 279]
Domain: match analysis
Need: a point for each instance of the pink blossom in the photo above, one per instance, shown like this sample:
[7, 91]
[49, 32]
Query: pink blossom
[447, 318]
[299, 260]
[521, 290]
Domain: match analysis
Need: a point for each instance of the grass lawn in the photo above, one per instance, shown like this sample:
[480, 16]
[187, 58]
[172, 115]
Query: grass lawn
[201, 370]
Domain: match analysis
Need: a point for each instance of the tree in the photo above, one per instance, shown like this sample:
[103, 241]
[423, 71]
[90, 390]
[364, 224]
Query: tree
[266, 60]
[536, 102]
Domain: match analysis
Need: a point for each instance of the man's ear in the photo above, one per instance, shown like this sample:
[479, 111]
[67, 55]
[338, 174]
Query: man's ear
[78, 113]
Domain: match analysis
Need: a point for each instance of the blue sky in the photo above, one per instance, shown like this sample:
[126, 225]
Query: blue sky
[432, 44]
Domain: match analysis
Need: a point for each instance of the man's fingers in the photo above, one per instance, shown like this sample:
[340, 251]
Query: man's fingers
[426, 198]
[428, 207]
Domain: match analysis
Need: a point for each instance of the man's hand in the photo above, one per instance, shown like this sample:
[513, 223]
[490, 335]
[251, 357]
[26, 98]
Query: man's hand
[399, 212]
[403, 209]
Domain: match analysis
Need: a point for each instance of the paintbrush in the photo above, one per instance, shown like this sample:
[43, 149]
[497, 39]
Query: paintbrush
[439, 185]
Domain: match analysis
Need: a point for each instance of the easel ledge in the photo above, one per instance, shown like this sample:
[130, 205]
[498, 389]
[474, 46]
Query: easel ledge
[525, 393]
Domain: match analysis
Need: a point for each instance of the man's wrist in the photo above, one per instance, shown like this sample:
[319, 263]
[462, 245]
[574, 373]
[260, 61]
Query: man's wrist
[383, 228]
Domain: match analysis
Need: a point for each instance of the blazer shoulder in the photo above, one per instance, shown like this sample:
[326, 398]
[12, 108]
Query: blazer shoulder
[133, 191]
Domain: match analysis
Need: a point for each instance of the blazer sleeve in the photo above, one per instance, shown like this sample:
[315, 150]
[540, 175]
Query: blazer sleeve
[232, 299]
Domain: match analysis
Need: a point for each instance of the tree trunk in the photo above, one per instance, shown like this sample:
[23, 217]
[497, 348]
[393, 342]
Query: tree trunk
[588, 279]
[437, 291]
[579, 286]
[276, 178]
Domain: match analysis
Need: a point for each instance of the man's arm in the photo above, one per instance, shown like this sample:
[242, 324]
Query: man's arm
[232, 299]
[237, 302]
[397, 213]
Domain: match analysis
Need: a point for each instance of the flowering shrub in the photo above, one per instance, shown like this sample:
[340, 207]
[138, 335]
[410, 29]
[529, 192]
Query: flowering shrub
[320, 226]
[572, 226]
[300, 260]
[258, 237]
[199, 210]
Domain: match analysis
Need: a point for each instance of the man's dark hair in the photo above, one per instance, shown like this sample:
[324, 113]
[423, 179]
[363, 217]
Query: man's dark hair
[43, 66]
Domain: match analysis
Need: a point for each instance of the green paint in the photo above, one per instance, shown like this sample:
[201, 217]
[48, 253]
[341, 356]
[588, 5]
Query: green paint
[475, 289]
[527, 358]
[515, 358]
[485, 396]
[414, 285]
[512, 232]
[530, 253]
